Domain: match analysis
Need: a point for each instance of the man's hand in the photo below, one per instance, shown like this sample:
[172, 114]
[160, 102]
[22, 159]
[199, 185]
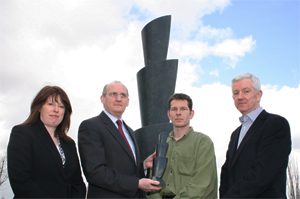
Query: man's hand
[146, 185]
[148, 163]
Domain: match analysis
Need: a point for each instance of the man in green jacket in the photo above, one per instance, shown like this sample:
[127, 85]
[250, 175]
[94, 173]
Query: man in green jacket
[191, 168]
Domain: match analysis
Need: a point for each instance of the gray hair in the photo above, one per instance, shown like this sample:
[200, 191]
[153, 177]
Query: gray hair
[104, 92]
[255, 80]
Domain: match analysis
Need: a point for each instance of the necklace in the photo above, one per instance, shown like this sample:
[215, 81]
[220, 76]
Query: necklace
[61, 152]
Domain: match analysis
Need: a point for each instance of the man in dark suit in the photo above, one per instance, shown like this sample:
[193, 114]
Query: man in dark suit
[258, 151]
[110, 160]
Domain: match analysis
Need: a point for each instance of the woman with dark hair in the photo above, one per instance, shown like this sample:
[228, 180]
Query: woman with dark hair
[42, 160]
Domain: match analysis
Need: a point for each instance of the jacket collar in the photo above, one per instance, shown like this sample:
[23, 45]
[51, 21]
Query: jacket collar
[111, 127]
[47, 141]
[254, 129]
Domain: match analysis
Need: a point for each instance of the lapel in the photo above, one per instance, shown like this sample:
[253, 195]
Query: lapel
[136, 147]
[233, 144]
[257, 124]
[45, 138]
[111, 127]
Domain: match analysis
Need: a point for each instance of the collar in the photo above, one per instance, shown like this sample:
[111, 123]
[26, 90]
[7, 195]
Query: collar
[112, 118]
[252, 115]
[171, 134]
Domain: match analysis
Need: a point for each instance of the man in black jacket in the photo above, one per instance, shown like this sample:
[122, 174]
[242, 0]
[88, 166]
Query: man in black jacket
[109, 152]
[258, 151]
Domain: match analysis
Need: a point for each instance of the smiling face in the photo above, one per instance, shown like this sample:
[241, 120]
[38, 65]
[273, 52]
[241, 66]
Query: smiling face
[246, 99]
[116, 99]
[180, 114]
[52, 112]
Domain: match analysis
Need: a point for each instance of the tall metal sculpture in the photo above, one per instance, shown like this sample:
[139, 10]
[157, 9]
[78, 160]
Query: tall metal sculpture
[156, 83]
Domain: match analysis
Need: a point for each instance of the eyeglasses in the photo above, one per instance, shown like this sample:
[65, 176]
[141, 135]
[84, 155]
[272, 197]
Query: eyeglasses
[115, 95]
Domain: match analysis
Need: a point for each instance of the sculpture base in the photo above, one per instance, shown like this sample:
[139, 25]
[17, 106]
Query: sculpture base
[162, 183]
[147, 137]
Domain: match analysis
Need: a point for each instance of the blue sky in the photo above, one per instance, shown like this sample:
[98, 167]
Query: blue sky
[275, 27]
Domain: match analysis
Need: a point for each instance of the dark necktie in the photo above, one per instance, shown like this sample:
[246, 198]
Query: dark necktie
[122, 133]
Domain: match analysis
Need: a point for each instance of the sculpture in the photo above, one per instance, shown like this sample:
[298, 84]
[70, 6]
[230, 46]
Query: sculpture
[156, 83]
[160, 162]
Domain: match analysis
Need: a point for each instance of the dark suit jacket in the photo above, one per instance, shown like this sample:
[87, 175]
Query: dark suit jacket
[107, 162]
[35, 167]
[257, 169]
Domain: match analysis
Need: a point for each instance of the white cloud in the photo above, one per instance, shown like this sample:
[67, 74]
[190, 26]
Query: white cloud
[186, 75]
[233, 49]
[285, 102]
[214, 73]
[208, 33]
[193, 49]
[229, 49]
[186, 14]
